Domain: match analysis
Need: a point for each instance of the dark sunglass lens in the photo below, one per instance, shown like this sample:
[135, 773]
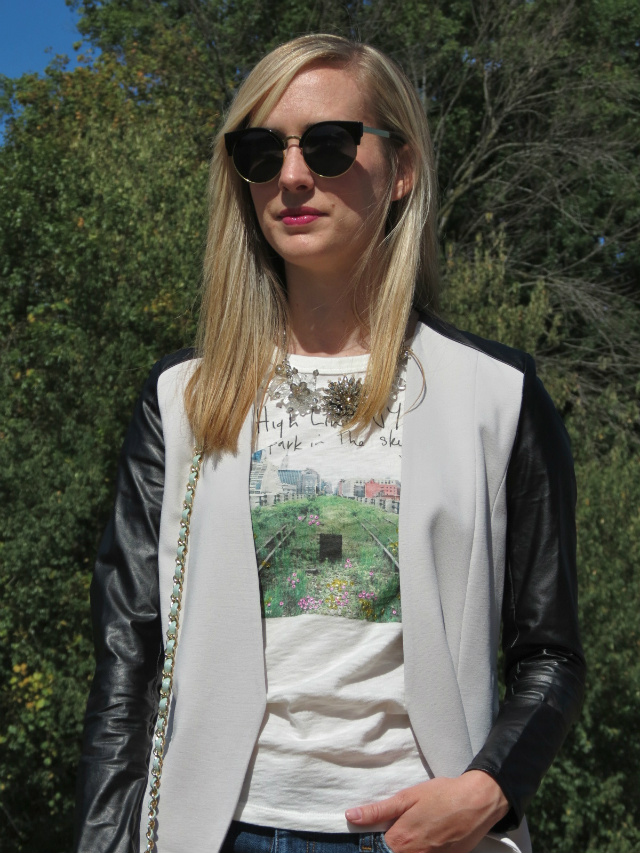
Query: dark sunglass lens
[257, 156]
[329, 150]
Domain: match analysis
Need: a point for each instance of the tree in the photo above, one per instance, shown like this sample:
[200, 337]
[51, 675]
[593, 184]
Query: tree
[101, 221]
[534, 112]
[533, 108]
[588, 800]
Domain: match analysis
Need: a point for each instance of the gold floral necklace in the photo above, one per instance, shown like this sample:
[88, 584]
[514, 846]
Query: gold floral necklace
[298, 394]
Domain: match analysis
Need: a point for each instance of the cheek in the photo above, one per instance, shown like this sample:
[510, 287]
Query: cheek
[369, 185]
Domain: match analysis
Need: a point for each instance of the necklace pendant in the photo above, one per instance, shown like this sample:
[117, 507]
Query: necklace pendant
[341, 398]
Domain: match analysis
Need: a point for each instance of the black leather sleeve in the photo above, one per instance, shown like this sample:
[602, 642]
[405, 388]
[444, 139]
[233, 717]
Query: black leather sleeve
[128, 641]
[544, 662]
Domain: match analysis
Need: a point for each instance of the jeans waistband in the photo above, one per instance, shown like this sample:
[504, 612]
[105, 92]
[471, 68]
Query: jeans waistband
[249, 838]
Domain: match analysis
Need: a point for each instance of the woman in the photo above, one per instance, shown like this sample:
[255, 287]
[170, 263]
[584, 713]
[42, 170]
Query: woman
[344, 692]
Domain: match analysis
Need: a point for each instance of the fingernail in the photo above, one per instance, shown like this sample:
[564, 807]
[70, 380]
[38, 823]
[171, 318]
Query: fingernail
[353, 815]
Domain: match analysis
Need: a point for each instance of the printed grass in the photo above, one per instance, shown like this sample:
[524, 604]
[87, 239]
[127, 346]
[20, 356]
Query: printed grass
[361, 584]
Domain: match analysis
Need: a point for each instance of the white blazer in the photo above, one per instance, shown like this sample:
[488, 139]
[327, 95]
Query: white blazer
[458, 438]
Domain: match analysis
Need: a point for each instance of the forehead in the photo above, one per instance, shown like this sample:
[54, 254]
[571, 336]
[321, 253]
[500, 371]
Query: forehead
[316, 94]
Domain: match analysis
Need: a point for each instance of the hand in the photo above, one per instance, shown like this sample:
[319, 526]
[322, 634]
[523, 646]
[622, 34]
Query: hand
[441, 814]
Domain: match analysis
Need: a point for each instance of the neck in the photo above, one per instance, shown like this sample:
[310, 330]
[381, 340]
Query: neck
[322, 316]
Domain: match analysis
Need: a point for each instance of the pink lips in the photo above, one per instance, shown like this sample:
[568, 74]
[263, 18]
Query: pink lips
[299, 215]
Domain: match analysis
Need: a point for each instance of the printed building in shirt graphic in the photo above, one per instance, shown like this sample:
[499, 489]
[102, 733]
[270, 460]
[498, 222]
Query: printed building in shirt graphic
[351, 488]
[269, 485]
[382, 489]
[383, 493]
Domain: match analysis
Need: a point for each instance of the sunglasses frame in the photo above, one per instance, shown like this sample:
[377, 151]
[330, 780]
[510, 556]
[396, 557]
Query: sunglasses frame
[355, 129]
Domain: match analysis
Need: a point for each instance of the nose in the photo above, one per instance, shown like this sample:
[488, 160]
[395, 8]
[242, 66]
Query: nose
[295, 174]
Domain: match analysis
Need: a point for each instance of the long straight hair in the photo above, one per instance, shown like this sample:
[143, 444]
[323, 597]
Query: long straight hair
[244, 317]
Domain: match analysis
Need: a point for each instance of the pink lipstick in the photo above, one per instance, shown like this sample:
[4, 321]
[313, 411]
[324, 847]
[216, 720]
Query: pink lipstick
[299, 215]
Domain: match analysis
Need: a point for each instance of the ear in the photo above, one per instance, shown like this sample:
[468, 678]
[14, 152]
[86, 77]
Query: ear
[405, 174]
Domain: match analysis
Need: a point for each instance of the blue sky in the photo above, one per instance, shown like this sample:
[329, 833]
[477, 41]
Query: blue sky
[28, 28]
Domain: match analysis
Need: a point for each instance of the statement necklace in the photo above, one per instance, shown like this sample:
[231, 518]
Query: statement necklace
[298, 393]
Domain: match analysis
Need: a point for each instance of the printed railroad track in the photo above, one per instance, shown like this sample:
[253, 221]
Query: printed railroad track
[387, 552]
[274, 542]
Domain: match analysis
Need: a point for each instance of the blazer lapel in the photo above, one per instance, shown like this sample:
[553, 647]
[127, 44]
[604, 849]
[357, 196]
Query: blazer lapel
[432, 693]
[219, 690]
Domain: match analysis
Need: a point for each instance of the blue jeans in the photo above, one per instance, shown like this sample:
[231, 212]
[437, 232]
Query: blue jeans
[247, 838]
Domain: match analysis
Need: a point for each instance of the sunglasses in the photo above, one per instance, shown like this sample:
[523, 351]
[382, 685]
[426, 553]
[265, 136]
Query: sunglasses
[329, 149]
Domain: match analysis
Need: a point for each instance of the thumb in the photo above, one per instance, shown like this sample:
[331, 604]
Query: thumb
[379, 812]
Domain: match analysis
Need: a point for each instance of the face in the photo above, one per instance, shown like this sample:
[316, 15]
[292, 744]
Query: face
[314, 223]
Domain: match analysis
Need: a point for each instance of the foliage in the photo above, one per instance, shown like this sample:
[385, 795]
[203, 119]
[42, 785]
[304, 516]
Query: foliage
[588, 800]
[101, 212]
[534, 113]
[102, 184]
[479, 287]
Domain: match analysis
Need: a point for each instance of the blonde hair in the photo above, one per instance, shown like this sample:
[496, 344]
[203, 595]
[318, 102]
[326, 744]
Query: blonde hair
[244, 303]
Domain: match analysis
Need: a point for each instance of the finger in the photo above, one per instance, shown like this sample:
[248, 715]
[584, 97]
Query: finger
[379, 812]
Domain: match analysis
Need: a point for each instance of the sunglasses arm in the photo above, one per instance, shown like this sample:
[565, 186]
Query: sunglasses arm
[386, 134]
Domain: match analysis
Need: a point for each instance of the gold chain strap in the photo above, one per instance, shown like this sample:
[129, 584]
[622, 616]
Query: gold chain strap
[166, 687]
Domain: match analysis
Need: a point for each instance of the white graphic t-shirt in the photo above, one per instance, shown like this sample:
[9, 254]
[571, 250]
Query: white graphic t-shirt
[325, 508]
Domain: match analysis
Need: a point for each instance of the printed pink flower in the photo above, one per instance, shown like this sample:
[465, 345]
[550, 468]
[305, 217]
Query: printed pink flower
[309, 603]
